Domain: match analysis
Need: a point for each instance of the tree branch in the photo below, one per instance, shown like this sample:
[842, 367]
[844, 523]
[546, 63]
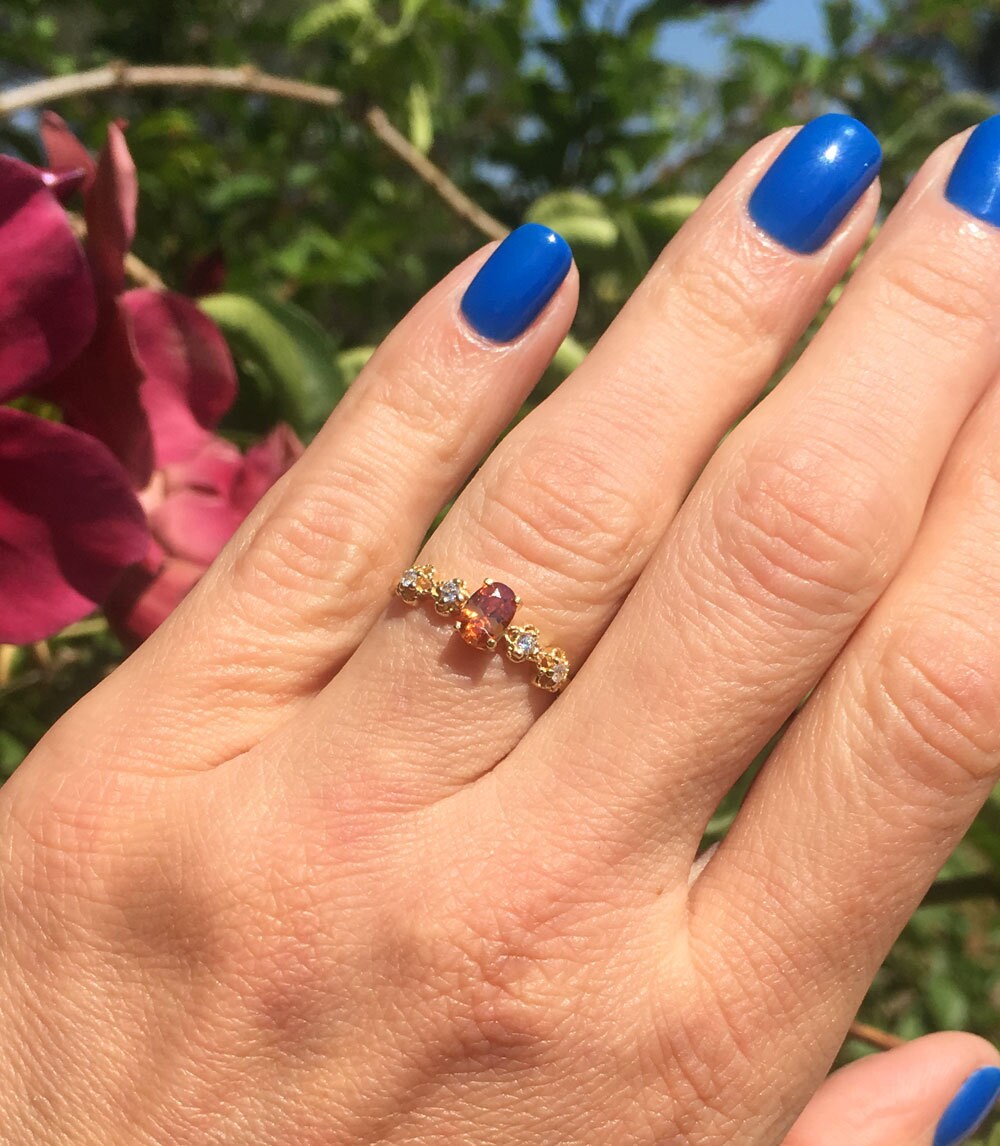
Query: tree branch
[875, 1036]
[250, 79]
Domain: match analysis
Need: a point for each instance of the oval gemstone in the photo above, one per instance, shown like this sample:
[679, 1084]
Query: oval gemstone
[486, 615]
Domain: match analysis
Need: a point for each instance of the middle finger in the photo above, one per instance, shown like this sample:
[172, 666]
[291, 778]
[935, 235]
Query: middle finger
[569, 507]
[793, 532]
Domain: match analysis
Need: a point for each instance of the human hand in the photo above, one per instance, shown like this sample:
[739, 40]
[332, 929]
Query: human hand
[309, 870]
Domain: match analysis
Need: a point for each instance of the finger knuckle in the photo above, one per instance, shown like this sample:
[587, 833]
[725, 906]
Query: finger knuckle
[484, 976]
[507, 936]
[933, 287]
[416, 405]
[321, 535]
[933, 695]
[561, 508]
[802, 528]
[730, 287]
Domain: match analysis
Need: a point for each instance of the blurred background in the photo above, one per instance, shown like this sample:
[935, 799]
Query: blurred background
[306, 232]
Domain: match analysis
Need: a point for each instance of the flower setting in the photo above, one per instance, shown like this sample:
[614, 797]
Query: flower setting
[116, 491]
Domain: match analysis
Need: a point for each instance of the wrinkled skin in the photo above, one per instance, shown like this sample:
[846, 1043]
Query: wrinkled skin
[308, 870]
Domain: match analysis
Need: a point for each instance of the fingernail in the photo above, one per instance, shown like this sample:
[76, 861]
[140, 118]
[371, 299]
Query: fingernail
[967, 1111]
[516, 282]
[975, 181]
[812, 186]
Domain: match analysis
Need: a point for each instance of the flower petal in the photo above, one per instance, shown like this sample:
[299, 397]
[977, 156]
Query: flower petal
[46, 294]
[190, 379]
[263, 464]
[195, 525]
[99, 394]
[69, 525]
[63, 150]
[109, 208]
[63, 184]
[148, 593]
[214, 468]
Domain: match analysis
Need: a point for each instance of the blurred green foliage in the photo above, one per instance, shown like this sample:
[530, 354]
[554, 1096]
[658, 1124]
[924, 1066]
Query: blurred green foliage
[574, 116]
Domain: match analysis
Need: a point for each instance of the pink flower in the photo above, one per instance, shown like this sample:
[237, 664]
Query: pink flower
[194, 507]
[46, 295]
[69, 525]
[69, 521]
[141, 378]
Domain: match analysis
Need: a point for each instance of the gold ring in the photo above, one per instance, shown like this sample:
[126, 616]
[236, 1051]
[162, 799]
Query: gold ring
[484, 621]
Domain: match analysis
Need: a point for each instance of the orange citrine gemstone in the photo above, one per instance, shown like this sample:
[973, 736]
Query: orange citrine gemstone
[486, 615]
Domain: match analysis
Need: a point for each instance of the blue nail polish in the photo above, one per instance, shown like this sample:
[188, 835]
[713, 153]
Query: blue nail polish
[975, 182]
[516, 282]
[812, 186]
[967, 1111]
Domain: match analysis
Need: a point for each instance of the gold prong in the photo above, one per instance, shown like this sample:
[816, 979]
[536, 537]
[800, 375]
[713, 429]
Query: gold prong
[488, 581]
[517, 600]
[491, 644]
[458, 624]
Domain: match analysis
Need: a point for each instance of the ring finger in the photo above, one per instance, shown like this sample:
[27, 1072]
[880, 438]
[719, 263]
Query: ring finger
[291, 596]
[569, 507]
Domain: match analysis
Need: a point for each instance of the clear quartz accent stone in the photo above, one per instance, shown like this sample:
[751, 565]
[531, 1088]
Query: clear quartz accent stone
[450, 593]
[525, 644]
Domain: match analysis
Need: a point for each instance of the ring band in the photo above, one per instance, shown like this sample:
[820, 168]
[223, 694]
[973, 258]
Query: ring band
[484, 621]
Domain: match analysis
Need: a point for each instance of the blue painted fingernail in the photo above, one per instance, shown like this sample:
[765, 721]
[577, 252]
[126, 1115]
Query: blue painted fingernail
[812, 186]
[516, 282]
[975, 181]
[967, 1111]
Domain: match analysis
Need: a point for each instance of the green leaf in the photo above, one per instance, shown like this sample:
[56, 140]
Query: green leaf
[569, 355]
[293, 361]
[672, 211]
[325, 17]
[940, 118]
[237, 189]
[352, 361]
[841, 22]
[12, 752]
[581, 218]
[651, 16]
[947, 1004]
[408, 13]
[769, 66]
[421, 117]
[317, 256]
[174, 123]
[984, 833]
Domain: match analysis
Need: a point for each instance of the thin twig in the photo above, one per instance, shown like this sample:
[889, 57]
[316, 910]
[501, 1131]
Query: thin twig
[875, 1036]
[7, 655]
[250, 79]
[432, 175]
